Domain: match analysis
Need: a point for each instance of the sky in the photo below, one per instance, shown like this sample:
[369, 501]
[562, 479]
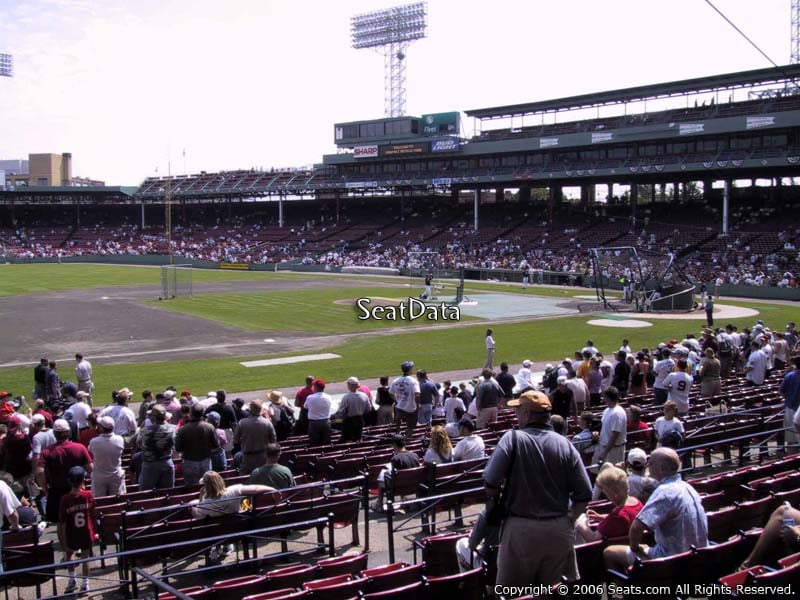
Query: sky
[141, 87]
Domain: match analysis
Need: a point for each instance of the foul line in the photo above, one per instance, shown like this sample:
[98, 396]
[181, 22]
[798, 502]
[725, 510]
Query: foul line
[288, 360]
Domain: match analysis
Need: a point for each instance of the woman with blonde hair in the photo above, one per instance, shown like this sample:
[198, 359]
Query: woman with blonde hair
[440, 449]
[613, 482]
[217, 499]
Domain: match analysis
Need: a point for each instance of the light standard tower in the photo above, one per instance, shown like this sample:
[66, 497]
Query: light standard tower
[391, 31]
[6, 65]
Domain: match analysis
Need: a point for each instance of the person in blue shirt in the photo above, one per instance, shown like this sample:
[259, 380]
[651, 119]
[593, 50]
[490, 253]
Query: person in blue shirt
[790, 388]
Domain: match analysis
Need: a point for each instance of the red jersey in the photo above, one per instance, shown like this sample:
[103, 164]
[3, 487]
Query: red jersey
[59, 459]
[76, 512]
[302, 394]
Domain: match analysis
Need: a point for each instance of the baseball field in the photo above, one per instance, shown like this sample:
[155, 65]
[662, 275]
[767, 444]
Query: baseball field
[112, 315]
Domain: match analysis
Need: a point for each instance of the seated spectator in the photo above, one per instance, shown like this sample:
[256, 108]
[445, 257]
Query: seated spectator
[674, 513]
[613, 482]
[471, 445]
[585, 440]
[558, 424]
[472, 551]
[440, 449]
[451, 428]
[775, 541]
[271, 473]
[402, 459]
[9, 505]
[451, 403]
[638, 481]
[635, 423]
[216, 499]
[669, 428]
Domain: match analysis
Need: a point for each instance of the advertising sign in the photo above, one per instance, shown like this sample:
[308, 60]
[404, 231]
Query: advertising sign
[365, 151]
[448, 145]
[602, 137]
[548, 142]
[438, 123]
[758, 122]
[691, 128]
[403, 149]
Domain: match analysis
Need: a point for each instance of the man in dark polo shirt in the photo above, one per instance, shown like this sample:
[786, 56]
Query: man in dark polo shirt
[58, 460]
[272, 474]
[196, 440]
[507, 382]
[547, 489]
[428, 394]
[40, 379]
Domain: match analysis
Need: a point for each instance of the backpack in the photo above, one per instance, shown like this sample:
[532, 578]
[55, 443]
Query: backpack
[725, 346]
[285, 422]
[651, 377]
[638, 377]
[552, 380]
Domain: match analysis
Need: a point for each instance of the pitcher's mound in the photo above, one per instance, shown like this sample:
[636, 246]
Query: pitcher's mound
[623, 323]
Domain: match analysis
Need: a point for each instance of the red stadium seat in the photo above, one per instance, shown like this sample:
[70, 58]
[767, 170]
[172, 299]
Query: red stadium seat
[233, 589]
[341, 565]
[468, 585]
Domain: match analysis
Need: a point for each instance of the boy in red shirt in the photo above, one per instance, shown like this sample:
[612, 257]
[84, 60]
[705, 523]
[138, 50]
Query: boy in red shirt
[76, 526]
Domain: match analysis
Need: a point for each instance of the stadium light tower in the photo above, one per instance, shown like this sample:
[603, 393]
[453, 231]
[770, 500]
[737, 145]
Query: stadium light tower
[795, 58]
[390, 31]
[6, 65]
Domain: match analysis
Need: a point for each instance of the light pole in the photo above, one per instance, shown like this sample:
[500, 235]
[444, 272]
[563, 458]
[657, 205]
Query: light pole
[390, 31]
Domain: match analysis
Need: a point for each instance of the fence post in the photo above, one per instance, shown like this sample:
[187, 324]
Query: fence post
[390, 527]
[331, 545]
[365, 503]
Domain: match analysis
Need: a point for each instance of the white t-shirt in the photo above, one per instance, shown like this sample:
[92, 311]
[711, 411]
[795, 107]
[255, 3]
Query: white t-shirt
[404, 390]
[663, 368]
[524, 378]
[606, 366]
[469, 447]
[663, 427]
[489, 342]
[450, 406]
[679, 385]
[579, 390]
[757, 363]
[80, 412]
[8, 501]
[614, 420]
[318, 406]
[124, 419]
[230, 502]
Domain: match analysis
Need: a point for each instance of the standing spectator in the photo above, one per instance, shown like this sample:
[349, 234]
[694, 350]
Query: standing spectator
[76, 526]
[39, 409]
[172, 405]
[710, 370]
[546, 489]
[710, 311]
[196, 441]
[487, 396]
[507, 383]
[301, 427]
[580, 391]
[124, 419]
[524, 376]
[15, 454]
[157, 441]
[674, 513]
[562, 399]
[281, 415]
[613, 431]
[755, 371]
[780, 350]
[319, 415]
[272, 473]
[352, 408]
[147, 403]
[53, 388]
[428, 396]
[92, 430]
[81, 410]
[58, 460]
[219, 459]
[252, 436]
[385, 403]
[622, 374]
[451, 404]
[679, 385]
[83, 374]
[10, 505]
[471, 445]
[639, 373]
[790, 389]
[490, 348]
[405, 391]
[108, 477]
[594, 381]
[40, 379]
[662, 368]
[226, 415]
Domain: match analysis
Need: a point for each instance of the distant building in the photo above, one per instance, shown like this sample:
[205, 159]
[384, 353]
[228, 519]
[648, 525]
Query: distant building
[43, 170]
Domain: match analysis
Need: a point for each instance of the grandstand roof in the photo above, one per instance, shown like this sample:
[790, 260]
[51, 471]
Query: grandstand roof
[644, 92]
[95, 190]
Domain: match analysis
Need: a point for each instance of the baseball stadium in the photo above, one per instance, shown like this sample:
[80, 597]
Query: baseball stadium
[396, 372]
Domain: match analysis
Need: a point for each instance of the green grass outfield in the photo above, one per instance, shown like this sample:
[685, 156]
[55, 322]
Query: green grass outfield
[459, 347]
